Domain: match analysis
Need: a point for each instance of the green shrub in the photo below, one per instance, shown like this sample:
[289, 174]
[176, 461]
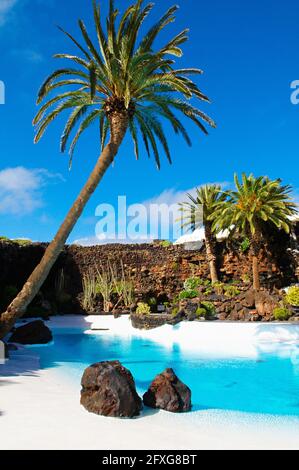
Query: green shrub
[245, 245]
[22, 242]
[188, 294]
[165, 243]
[281, 313]
[209, 307]
[123, 286]
[108, 282]
[17, 241]
[231, 291]
[89, 284]
[105, 284]
[175, 266]
[125, 292]
[218, 287]
[153, 303]
[201, 312]
[246, 278]
[143, 309]
[175, 311]
[292, 296]
[208, 291]
[192, 283]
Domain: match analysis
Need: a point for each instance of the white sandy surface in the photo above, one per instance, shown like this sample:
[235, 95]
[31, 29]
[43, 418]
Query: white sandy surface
[41, 410]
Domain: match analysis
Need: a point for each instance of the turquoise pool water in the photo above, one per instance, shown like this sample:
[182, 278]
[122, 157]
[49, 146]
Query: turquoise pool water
[266, 384]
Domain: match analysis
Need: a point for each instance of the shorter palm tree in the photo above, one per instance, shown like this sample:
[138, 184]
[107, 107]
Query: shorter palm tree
[255, 203]
[197, 212]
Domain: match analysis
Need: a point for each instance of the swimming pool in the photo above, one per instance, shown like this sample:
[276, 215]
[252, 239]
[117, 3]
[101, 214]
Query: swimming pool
[237, 375]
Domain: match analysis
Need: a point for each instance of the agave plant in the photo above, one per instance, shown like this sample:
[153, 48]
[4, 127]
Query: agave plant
[121, 81]
[254, 203]
[196, 212]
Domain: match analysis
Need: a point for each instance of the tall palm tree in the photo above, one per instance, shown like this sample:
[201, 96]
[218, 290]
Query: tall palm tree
[254, 203]
[197, 212]
[122, 83]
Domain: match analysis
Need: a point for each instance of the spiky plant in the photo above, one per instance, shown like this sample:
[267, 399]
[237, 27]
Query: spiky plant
[196, 212]
[254, 203]
[121, 81]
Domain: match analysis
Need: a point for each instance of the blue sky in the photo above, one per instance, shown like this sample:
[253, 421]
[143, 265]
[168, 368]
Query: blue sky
[250, 55]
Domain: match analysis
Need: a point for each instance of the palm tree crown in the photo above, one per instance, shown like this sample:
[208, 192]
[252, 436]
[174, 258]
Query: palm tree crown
[197, 212]
[199, 208]
[118, 73]
[255, 201]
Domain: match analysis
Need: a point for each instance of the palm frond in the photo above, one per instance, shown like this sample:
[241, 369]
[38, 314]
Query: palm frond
[254, 202]
[121, 69]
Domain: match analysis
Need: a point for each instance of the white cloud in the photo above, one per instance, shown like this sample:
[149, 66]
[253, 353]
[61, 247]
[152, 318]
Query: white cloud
[5, 8]
[45, 219]
[21, 189]
[28, 55]
[172, 196]
[32, 56]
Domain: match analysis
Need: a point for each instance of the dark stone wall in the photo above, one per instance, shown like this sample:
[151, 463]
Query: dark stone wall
[155, 270]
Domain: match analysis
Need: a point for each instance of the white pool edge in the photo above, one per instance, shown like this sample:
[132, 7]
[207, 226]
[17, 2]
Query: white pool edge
[216, 339]
[42, 411]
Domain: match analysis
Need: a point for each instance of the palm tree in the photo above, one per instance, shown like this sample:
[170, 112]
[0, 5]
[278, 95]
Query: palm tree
[197, 212]
[256, 202]
[122, 83]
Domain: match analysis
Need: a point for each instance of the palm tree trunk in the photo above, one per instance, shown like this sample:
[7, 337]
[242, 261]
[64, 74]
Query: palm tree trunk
[255, 249]
[211, 256]
[118, 128]
[255, 273]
